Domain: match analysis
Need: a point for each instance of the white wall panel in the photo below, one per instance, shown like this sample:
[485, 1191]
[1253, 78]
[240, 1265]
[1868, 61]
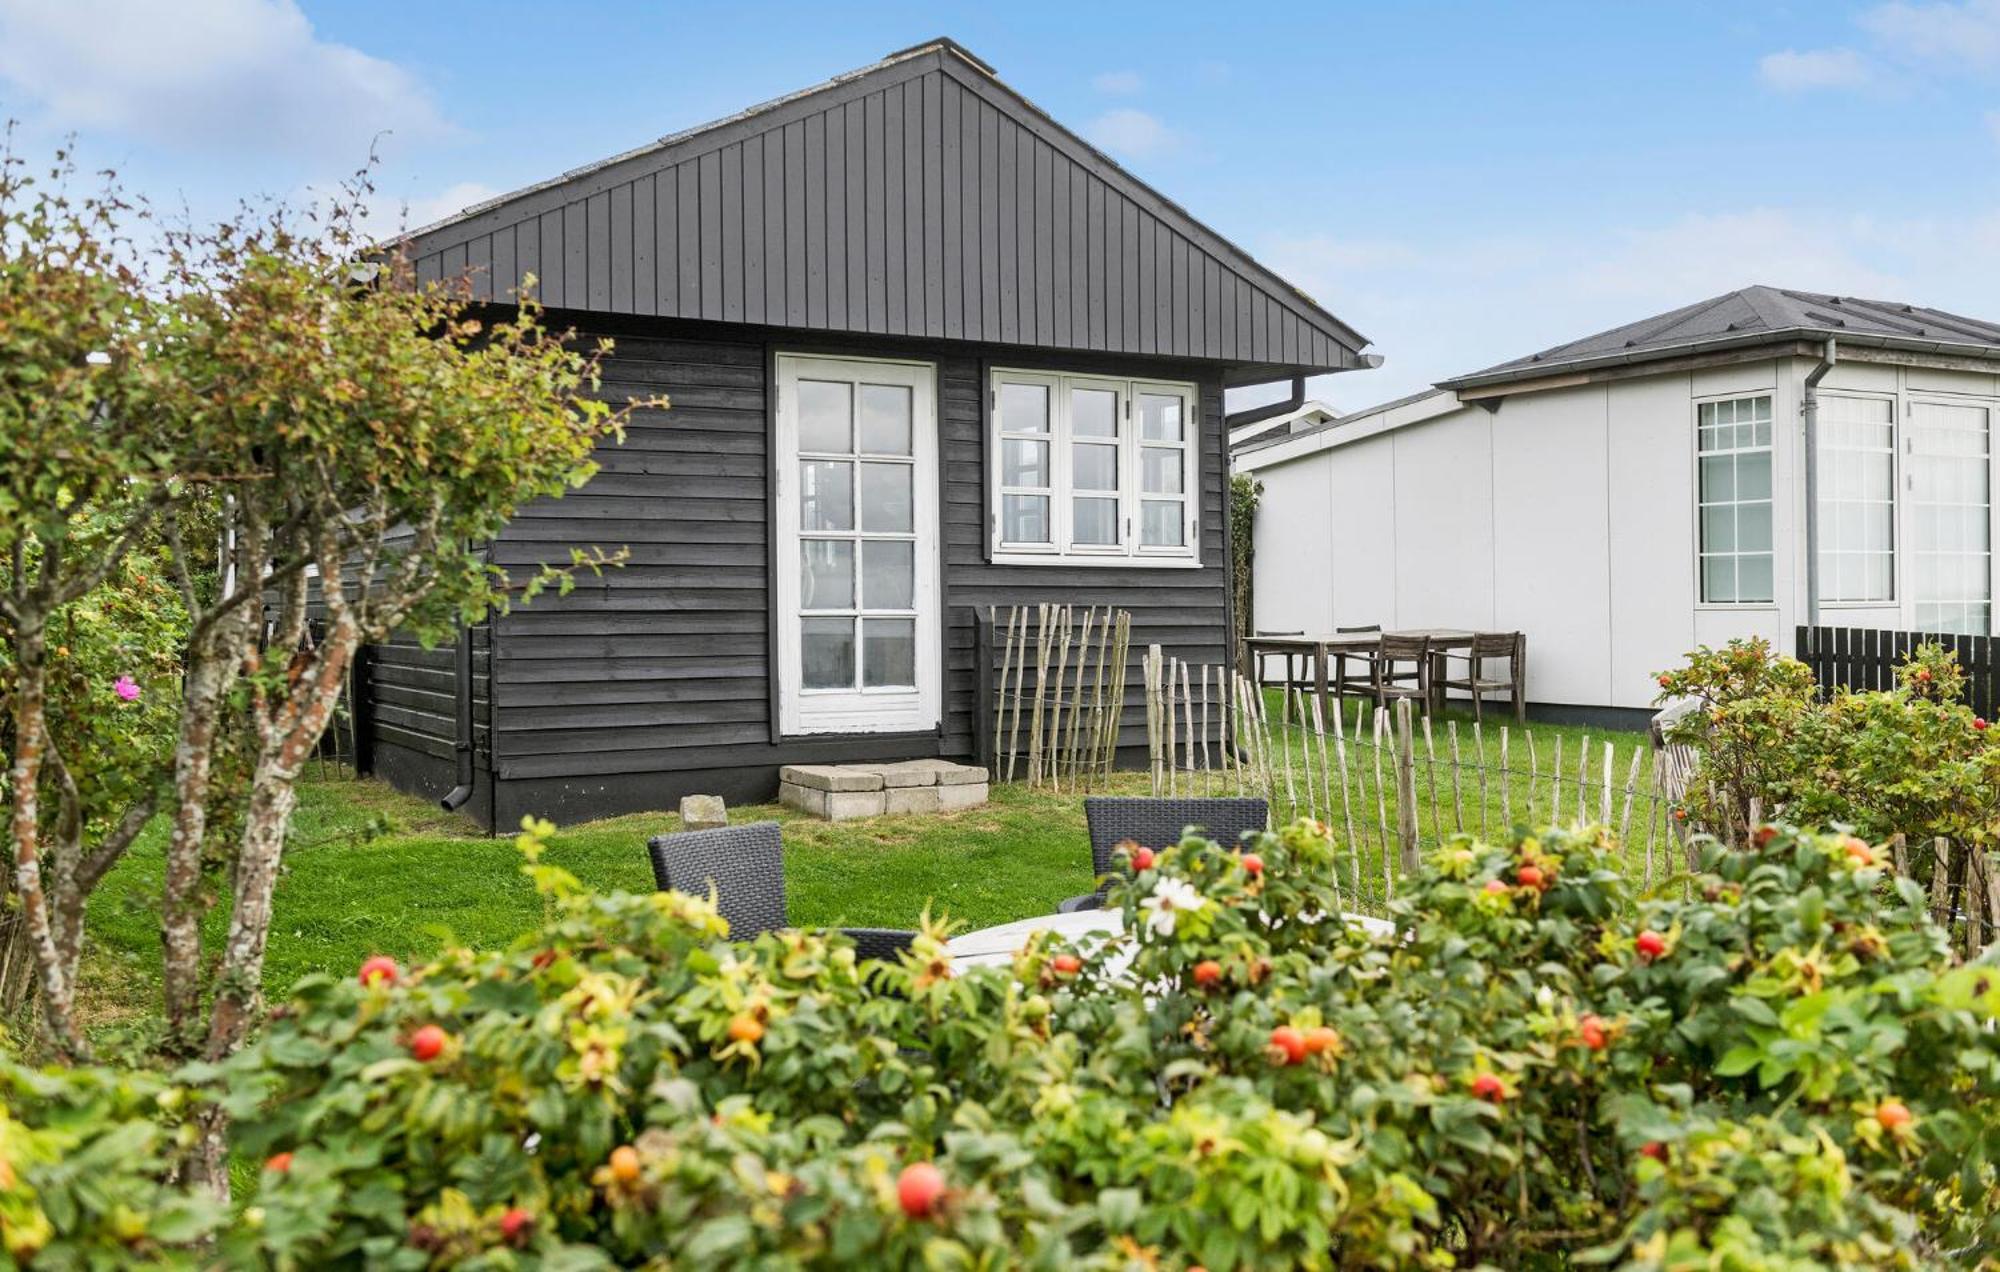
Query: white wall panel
[1292, 575]
[1549, 534]
[1651, 532]
[1363, 542]
[1444, 521]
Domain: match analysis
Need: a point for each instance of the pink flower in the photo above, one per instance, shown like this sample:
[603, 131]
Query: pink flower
[126, 688]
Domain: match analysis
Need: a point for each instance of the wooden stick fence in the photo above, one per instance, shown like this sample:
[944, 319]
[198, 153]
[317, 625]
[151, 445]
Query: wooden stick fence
[1062, 673]
[1393, 785]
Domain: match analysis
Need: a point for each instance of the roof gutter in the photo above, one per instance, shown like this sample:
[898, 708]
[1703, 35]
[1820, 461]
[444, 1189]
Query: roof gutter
[1271, 410]
[1809, 408]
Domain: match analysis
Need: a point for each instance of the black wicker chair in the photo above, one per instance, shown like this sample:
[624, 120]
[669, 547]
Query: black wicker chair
[746, 865]
[1159, 823]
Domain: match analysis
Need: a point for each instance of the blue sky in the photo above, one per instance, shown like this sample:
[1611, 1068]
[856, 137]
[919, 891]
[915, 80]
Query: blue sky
[1463, 183]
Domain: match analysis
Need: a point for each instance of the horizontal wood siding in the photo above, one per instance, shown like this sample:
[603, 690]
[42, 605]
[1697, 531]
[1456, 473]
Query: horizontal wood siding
[922, 200]
[662, 666]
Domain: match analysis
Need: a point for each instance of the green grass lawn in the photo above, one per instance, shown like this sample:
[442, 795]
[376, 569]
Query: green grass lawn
[370, 870]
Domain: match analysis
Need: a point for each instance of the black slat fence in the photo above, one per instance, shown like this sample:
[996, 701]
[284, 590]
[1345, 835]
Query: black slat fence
[1867, 658]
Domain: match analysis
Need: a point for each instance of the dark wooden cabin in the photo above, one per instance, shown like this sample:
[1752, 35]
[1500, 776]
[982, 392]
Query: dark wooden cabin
[928, 351]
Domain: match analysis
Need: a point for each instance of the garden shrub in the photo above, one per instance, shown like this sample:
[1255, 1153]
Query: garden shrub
[84, 1158]
[1913, 760]
[1785, 1067]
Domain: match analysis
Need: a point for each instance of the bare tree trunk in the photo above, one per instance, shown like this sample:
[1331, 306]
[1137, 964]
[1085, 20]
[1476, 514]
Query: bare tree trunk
[180, 923]
[30, 748]
[224, 644]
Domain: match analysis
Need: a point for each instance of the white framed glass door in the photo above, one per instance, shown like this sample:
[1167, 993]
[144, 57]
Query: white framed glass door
[857, 586]
[1949, 475]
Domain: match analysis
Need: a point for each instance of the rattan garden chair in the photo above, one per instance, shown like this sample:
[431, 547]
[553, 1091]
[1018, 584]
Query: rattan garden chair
[1159, 823]
[746, 867]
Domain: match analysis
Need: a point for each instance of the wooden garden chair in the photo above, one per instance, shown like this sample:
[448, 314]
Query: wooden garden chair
[1399, 667]
[1488, 648]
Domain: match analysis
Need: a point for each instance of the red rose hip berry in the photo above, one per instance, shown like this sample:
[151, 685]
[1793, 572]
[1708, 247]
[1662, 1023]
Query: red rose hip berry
[1489, 1088]
[427, 1043]
[515, 1225]
[1649, 944]
[1495, 888]
[1207, 972]
[1893, 1114]
[1142, 858]
[1590, 1030]
[1531, 877]
[278, 1163]
[919, 1189]
[1066, 964]
[1653, 1149]
[1288, 1045]
[1253, 865]
[379, 970]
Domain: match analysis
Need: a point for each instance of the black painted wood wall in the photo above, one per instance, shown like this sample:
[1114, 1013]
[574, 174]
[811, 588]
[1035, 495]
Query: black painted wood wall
[654, 680]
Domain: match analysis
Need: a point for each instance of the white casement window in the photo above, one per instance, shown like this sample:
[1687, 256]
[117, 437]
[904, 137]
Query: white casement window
[1734, 481]
[1094, 470]
[1857, 500]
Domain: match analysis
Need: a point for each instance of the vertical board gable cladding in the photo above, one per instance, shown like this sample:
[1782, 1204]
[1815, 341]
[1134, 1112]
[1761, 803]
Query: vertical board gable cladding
[917, 200]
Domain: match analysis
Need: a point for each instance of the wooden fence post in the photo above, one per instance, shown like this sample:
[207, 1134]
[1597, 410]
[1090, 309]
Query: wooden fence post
[1406, 788]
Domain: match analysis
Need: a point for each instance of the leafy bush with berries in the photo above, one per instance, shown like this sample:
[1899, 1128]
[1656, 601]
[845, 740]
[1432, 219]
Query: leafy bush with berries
[1913, 760]
[1536, 1068]
[85, 1156]
[1776, 1069]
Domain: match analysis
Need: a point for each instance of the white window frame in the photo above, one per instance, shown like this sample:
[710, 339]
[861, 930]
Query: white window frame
[1700, 530]
[1129, 551]
[1896, 502]
[1906, 442]
[891, 709]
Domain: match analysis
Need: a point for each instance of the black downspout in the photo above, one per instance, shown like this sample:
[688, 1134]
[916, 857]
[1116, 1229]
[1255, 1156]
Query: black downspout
[455, 799]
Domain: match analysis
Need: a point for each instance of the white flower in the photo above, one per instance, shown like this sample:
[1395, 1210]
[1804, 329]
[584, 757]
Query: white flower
[1545, 997]
[1171, 898]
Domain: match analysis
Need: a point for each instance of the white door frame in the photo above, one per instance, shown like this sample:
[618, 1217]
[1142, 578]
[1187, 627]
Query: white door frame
[804, 711]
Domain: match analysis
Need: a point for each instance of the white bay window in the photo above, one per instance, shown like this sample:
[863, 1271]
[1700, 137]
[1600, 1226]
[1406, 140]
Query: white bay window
[1091, 469]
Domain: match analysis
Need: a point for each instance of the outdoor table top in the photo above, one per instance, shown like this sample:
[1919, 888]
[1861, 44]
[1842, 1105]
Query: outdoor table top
[1360, 640]
[997, 945]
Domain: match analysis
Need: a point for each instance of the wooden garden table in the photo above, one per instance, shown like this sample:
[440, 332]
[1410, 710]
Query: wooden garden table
[1318, 646]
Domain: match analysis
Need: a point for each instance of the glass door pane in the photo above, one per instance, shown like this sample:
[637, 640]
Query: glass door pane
[859, 482]
[1950, 474]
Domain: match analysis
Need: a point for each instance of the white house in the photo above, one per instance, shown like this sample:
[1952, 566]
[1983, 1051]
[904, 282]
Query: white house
[1628, 496]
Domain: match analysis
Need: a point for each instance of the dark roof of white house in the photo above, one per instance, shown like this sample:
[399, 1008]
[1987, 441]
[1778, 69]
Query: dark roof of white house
[1752, 316]
[918, 196]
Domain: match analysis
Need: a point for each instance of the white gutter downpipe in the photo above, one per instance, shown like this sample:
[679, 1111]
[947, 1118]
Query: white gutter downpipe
[1810, 409]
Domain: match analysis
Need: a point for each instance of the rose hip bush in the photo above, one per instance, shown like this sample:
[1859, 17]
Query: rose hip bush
[83, 1158]
[1785, 1067]
[1913, 760]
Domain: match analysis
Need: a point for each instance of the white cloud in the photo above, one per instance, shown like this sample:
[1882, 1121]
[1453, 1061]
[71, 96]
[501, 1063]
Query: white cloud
[1132, 133]
[223, 76]
[1792, 71]
[1118, 83]
[1442, 307]
[1965, 35]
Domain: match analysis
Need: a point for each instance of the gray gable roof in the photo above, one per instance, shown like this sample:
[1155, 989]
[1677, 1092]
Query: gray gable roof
[1753, 316]
[918, 196]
